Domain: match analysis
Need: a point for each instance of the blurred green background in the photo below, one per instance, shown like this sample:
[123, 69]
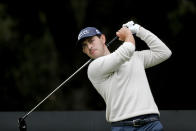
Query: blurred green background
[38, 51]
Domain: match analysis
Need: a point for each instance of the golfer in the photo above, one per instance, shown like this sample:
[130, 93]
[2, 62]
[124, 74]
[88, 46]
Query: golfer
[120, 77]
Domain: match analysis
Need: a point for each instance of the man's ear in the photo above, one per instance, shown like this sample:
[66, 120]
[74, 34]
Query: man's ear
[103, 38]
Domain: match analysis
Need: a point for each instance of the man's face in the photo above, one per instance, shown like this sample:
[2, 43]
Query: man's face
[94, 46]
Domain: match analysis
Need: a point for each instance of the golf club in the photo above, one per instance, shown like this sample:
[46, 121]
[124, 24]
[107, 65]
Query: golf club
[21, 121]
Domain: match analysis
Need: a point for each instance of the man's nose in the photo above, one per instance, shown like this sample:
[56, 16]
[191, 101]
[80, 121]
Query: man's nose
[89, 46]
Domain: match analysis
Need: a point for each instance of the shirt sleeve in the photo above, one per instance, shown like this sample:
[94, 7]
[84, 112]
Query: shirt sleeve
[102, 67]
[158, 51]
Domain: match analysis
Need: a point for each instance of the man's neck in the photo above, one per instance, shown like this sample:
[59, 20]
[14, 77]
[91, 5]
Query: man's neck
[107, 52]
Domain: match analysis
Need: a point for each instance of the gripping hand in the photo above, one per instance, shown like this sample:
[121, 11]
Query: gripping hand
[133, 27]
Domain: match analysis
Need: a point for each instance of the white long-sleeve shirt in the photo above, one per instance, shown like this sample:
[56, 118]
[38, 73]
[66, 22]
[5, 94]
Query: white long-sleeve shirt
[121, 80]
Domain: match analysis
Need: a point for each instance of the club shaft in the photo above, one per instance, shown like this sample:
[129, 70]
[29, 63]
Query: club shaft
[57, 88]
[108, 44]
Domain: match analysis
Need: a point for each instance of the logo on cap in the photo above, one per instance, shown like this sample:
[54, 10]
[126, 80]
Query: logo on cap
[98, 32]
[88, 32]
[82, 33]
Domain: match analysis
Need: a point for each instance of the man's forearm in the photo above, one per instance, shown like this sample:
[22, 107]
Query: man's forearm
[158, 50]
[111, 62]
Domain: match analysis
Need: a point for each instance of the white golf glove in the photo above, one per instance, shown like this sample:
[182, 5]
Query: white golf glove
[133, 27]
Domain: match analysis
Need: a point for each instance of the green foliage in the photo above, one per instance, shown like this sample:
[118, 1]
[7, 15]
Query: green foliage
[178, 15]
[31, 62]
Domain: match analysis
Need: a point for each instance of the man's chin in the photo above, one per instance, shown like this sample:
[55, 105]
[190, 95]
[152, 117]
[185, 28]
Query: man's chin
[94, 57]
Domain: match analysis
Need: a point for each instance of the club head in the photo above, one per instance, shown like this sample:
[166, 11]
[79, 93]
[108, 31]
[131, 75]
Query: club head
[22, 124]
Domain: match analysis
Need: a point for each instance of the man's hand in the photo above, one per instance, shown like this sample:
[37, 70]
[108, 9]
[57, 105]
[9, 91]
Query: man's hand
[125, 35]
[133, 27]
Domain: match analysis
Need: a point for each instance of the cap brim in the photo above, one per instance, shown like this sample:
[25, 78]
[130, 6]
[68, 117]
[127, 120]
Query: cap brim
[78, 43]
